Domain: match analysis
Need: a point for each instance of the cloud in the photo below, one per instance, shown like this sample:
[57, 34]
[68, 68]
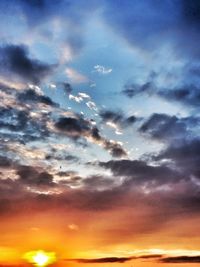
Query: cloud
[138, 172]
[66, 87]
[31, 95]
[30, 176]
[79, 98]
[116, 119]
[38, 16]
[181, 259]
[103, 260]
[91, 105]
[115, 259]
[131, 90]
[5, 162]
[184, 155]
[170, 128]
[13, 121]
[102, 70]
[75, 77]
[74, 127]
[15, 61]
[77, 127]
[99, 182]
[188, 95]
[61, 155]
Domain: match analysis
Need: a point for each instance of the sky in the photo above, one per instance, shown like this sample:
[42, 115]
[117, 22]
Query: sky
[99, 132]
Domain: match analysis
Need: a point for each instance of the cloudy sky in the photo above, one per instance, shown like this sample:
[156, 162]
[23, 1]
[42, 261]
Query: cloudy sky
[99, 131]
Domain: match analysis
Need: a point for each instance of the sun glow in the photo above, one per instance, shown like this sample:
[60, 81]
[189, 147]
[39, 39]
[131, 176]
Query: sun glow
[40, 258]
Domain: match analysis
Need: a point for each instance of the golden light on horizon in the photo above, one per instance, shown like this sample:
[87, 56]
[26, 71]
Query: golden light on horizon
[40, 258]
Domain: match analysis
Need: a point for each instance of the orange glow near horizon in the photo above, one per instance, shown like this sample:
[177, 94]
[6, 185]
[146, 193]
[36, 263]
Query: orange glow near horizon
[40, 258]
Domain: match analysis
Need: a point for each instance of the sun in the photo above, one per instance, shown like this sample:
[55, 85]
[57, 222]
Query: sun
[40, 258]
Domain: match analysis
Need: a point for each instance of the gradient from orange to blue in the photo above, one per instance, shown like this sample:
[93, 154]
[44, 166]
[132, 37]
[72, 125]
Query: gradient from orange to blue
[99, 132]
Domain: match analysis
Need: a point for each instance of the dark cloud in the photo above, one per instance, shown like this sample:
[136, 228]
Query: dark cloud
[16, 120]
[66, 87]
[13, 119]
[115, 259]
[78, 127]
[62, 156]
[15, 60]
[30, 176]
[98, 182]
[103, 260]
[31, 95]
[153, 256]
[185, 156]
[170, 128]
[131, 90]
[139, 172]
[117, 118]
[188, 95]
[191, 12]
[5, 162]
[114, 148]
[75, 127]
[181, 259]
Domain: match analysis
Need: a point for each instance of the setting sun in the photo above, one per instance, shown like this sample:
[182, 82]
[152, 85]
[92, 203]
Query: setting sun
[40, 258]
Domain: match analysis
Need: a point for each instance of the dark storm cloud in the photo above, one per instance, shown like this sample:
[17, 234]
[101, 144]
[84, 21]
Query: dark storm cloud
[15, 60]
[31, 95]
[117, 118]
[181, 259]
[169, 128]
[78, 127]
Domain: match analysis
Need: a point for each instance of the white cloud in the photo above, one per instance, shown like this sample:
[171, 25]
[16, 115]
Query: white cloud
[52, 86]
[84, 95]
[77, 99]
[102, 70]
[91, 105]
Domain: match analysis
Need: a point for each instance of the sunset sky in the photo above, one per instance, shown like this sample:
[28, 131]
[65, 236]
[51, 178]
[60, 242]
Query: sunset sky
[100, 132]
